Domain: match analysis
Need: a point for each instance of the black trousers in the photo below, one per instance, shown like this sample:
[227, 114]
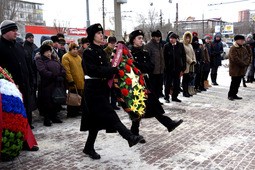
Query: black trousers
[205, 75]
[234, 86]
[164, 120]
[172, 80]
[156, 84]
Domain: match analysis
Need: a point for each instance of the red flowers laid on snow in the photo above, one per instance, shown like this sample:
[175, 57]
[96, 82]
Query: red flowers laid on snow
[124, 92]
[128, 68]
[125, 52]
[121, 73]
[128, 81]
[129, 62]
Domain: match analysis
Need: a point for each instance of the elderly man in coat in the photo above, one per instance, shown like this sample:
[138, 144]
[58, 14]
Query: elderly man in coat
[238, 62]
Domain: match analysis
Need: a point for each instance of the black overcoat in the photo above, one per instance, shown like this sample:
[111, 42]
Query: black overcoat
[98, 113]
[143, 62]
[13, 58]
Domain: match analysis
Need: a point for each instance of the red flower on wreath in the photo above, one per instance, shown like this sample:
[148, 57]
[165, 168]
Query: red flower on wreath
[136, 70]
[129, 62]
[141, 81]
[121, 73]
[128, 81]
[141, 76]
[124, 92]
[125, 52]
[121, 60]
[128, 68]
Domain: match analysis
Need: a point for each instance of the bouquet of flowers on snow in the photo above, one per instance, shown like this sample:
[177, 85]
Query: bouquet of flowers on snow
[129, 84]
[13, 118]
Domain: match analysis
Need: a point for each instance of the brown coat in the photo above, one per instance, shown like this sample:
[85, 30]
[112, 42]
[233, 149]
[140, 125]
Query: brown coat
[238, 60]
[190, 54]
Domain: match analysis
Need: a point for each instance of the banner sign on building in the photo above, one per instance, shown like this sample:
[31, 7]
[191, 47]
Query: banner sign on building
[225, 29]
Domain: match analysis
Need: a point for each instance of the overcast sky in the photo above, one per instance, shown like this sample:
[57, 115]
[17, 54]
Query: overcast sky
[73, 12]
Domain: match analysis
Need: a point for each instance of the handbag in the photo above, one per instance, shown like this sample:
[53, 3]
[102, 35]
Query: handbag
[59, 96]
[73, 99]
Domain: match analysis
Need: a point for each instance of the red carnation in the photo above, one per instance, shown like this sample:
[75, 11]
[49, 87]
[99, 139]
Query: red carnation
[136, 70]
[121, 60]
[142, 82]
[124, 92]
[121, 73]
[125, 52]
[130, 62]
[128, 68]
[141, 76]
[128, 81]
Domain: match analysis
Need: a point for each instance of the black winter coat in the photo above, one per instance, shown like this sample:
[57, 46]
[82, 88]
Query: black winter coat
[143, 63]
[51, 73]
[98, 113]
[175, 58]
[13, 58]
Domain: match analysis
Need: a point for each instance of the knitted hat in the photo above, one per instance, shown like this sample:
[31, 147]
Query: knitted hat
[249, 36]
[54, 38]
[29, 34]
[239, 37]
[173, 35]
[92, 30]
[62, 41]
[8, 25]
[134, 34]
[156, 34]
[44, 48]
[72, 45]
[194, 39]
[19, 40]
[194, 34]
[43, 38]
[111, 40]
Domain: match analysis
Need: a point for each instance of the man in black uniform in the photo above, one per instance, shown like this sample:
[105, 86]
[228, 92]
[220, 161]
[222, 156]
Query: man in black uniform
[143, 62]
[98, 113]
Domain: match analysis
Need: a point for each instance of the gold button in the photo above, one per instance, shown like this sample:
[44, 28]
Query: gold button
[144, 57]
[99, 56]
[101, 62]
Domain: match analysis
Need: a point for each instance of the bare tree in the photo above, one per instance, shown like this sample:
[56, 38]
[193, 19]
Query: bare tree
[58, 25]
[8, 9]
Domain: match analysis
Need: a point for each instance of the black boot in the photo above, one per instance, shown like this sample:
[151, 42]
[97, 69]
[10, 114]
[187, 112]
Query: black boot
[91, 153]
[168, 122]
[89, 146]
[185, 90]
[47, 121]
[244, 84]
[174, 124]
[135, 130]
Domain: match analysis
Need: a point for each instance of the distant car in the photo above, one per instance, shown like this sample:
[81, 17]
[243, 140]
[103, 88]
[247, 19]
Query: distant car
[226, 47]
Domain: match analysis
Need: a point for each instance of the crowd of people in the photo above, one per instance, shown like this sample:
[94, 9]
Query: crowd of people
[171, 66]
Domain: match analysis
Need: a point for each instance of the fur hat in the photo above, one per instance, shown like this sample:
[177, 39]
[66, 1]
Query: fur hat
[92, 30]
[111, 40]
[72, 45]
[156, 33]
[84, 40]
[173, 35]
[54, 38]
[239, 37]
[134, 34]
[44, 48]
[8, 25]
[62, 41]
[47, 42]
[29, 34]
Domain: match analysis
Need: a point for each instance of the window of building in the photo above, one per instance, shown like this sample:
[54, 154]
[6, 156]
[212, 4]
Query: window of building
[21, 15]
[21, 5]
[29, 6]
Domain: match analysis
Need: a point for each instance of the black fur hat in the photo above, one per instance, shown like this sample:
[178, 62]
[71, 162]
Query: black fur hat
[134, 34]
[156, 34]
[44, 48]
[54, 38]
[239, 37]
[92, 30]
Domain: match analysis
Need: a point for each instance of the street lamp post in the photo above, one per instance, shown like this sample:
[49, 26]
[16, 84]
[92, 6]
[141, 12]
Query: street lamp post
[88, 21]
